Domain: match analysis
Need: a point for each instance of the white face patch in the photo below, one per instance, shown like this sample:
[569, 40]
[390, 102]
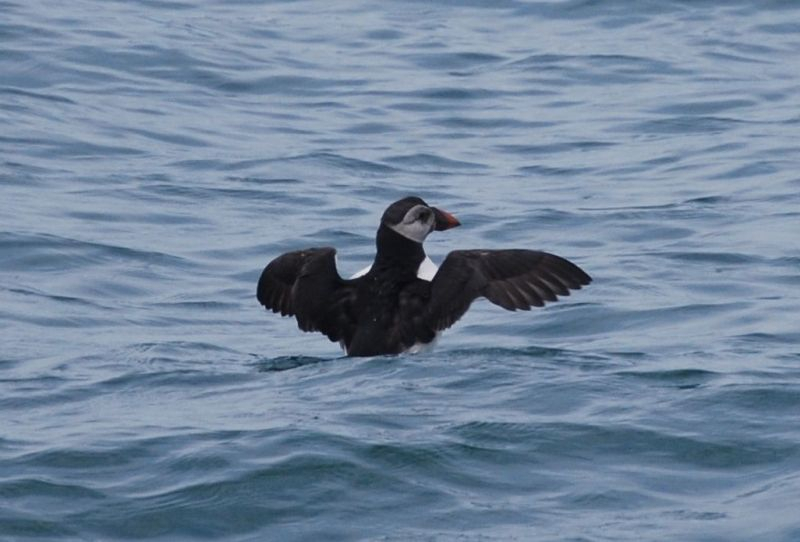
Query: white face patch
[417, 223]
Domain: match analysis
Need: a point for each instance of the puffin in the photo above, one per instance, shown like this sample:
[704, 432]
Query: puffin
[402, 301]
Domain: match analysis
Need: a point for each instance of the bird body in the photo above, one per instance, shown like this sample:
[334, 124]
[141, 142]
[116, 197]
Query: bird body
[397, 304]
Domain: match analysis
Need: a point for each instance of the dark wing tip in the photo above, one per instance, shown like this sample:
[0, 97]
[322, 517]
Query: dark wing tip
[264, 289]
[274, 290]
[572, 276]
[520, 279]
[273, 294]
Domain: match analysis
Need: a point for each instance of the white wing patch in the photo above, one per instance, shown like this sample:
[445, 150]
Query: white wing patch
[427, 270]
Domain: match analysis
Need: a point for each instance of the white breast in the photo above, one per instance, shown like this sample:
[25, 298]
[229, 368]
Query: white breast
[427, 270]
[423, 347]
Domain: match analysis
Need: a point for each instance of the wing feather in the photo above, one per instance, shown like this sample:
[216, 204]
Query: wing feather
[512, 279]
[305, 284]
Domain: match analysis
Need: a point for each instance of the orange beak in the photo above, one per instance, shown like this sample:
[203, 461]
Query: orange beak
[444, 220]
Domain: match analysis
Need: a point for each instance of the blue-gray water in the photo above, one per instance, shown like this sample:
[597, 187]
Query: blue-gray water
[156, 154]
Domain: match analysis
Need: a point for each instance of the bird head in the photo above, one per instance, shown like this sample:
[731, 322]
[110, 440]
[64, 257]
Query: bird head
[414, 219]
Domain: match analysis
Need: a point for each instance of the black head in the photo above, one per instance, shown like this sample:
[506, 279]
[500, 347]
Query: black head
[394, 213]
[414, 219]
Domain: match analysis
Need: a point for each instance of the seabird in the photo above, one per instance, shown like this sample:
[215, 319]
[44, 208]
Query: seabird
[402, 301]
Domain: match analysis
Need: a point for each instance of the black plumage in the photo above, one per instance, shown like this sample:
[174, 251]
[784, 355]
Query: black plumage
[389, 309]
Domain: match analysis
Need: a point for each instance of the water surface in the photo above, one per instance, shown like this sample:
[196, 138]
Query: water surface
[155, 155]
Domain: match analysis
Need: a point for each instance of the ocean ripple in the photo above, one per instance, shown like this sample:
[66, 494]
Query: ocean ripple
[157, 154]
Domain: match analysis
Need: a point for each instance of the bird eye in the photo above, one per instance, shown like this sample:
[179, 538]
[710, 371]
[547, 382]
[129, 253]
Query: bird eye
[423, 216]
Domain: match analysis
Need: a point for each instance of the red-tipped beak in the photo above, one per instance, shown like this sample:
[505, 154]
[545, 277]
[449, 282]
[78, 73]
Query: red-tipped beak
[444, 220]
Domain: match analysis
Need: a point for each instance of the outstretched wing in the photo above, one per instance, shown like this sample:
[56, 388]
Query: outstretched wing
[513, 279]
[305, 284]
